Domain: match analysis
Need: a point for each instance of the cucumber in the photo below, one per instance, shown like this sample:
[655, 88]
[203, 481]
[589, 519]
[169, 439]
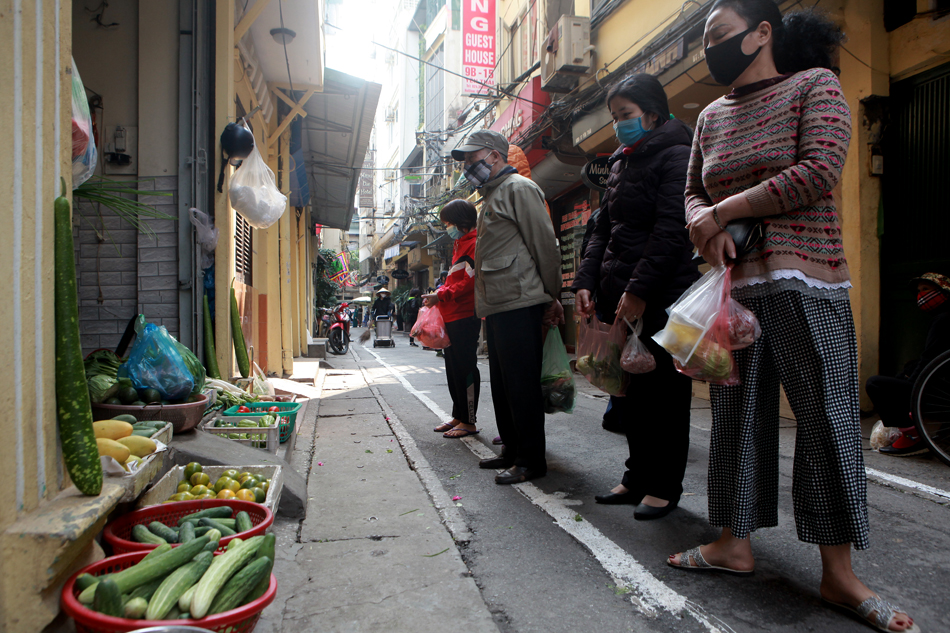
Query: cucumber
[229, 523]
[107, 598]
[174, 614]
[177, 583]
[125, 417]
[141, 534]
[200, 530]
[221, 512]
[234, 542]
[73, 410]
[83, 581]
[221, 570]
[148, 570]
[143, 433]
[268, 549]
[212, 546]
[187, 532]
[147, 590]
[184, 603]
[163, 531]
[225, 531]
[135, 608]
[242, 522]
[161, 549]
[241, 584]
[240, 350]
[211, 361]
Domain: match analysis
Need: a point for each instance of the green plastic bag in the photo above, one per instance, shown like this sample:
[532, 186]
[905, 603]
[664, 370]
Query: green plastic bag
[557, 380]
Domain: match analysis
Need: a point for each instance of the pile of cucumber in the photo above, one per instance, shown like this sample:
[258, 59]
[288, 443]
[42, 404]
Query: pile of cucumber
[187, 581]
[192, 525]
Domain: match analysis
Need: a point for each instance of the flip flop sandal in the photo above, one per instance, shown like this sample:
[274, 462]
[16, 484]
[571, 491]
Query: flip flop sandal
[459, 433]
[699, 564]
[445, 426]
[497, 441]
[883, 610]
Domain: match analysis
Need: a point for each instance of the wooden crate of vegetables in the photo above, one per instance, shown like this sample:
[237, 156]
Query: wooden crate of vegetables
[185, 483]
[190, 584]
[258, 430]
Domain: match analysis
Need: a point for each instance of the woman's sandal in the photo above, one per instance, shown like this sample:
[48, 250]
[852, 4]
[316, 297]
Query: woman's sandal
[445, 426]
[459, 432]
[700, 564]
[883, 610]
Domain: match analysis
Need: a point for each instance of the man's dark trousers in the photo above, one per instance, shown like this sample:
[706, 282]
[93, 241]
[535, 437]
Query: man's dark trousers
[514, 359]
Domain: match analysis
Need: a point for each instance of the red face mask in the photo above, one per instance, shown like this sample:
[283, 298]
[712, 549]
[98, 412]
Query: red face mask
[930, 299]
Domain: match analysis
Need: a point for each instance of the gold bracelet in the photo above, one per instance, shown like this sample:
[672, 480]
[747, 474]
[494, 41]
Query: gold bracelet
[716, 217]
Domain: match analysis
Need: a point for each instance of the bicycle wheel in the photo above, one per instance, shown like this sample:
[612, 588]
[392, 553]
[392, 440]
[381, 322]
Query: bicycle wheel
[930, 406]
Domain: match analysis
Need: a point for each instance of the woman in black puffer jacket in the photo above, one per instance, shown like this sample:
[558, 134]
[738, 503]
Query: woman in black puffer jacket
[638, 262]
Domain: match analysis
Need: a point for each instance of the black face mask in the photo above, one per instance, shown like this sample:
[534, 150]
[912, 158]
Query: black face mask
[726, 60]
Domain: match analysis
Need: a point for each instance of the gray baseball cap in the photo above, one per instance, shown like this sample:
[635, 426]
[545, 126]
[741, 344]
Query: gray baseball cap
[482, 139]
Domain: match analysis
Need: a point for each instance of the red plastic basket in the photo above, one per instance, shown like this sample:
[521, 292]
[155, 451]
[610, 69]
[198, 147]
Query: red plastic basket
[118, 533]
[240, 620]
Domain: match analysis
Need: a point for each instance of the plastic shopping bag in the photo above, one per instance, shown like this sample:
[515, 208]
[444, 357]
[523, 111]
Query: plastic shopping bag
[883, 436]
[557, 380]
[744, 328]
[598, 355]
[254, 194]
[205, 234]
[697, 334]
[260, 385]
[636, 358]
[429, 328]
[156, 363]
[84, 142]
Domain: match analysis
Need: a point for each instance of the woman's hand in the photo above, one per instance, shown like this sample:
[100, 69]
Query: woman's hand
[582, 303]
[430, 300]
[719, 249]
[630, 307]
[702, 228]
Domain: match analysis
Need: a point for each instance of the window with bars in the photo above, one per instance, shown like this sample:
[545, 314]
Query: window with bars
[243, 255]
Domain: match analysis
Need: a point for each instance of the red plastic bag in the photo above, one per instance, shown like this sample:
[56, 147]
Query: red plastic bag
[744, 328]
[598, 355]
[429, 328]
[697, 334]
[636, 358]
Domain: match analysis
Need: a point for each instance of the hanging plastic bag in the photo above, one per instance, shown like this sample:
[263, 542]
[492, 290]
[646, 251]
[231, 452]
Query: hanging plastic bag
[883, 436]
[156, 363]
[598, 355]
[697, 333]
[254, 193]
[84, 142]
[636, 358]
[429, 328]
[205, 234]
[260, 385]
[744, 328]
[557, 380]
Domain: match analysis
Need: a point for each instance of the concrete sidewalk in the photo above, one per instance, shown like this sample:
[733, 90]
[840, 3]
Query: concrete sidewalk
[372, 554]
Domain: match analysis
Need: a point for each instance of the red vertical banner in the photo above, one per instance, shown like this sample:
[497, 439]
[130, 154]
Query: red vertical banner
[478, 45]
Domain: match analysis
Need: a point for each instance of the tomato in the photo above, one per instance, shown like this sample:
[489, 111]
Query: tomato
[273, 410]
[243, 409]
[191, 469]
[249, 483]
[246, 495]
[265, 485]
[230, 472]
[259, 494]
[200, 479]
[223, 483]
[206, 495]
[184, 487]
[241, 477]
[226, 494]
[181, 496]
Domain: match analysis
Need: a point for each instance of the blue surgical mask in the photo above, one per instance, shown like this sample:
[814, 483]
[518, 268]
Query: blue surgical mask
[478, 174]
[630, 131]
[454, 232]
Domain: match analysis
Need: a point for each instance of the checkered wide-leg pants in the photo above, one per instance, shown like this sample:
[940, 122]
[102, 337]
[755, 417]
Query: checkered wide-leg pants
[808, 344]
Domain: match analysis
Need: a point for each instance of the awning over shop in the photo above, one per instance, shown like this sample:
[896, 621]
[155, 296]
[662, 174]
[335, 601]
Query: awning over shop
[554, 176]
[336, 133]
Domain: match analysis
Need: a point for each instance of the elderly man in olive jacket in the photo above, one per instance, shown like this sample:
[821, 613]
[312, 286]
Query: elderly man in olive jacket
[517, 283]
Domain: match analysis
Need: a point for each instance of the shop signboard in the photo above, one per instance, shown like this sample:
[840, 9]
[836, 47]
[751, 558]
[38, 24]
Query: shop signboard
[571, 236]
[595, 173]
[520, 114]
[367, 190]
[478, 46]
[400, 274]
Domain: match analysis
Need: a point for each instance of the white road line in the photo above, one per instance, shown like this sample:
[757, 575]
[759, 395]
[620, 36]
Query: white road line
[649, 594]
[907, 483]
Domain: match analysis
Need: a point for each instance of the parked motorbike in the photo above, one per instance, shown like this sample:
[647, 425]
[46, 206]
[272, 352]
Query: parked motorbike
[338, 339]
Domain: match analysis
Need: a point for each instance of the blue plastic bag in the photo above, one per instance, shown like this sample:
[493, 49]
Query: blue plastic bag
[155, 363]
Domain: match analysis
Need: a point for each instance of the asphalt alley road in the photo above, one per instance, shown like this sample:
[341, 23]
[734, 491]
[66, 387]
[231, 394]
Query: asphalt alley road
[547, 558]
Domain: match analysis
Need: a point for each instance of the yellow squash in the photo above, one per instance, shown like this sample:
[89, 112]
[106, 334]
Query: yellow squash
[111, 429]
[138, 445]
[113, 449]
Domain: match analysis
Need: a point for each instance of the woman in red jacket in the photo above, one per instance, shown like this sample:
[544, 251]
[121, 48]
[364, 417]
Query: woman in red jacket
[456, 300]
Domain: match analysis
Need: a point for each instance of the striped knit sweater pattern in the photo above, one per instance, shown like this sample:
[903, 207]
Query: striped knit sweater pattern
[784, 148]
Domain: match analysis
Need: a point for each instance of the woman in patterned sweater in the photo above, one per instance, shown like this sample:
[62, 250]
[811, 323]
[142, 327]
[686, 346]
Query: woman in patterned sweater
[773, 150]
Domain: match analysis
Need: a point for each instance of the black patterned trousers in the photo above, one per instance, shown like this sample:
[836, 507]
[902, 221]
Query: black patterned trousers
[808, 345]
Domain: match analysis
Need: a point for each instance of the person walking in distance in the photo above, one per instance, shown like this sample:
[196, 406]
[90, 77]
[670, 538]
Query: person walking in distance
[517, 281]
[456, 301]
[774, 148]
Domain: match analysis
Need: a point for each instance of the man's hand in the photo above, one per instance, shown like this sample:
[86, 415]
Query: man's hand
[430, 300]
[582, 303]
[630, 307]
[719, 249]
[554, 315]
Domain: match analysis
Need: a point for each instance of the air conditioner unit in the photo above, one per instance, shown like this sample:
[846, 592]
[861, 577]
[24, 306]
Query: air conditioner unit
[392, 175]
[390, 115]
[567, 55]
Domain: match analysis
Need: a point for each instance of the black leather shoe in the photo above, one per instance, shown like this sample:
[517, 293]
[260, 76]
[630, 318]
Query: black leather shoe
[517, 474]
[501, 461]
[624, 498]
[643, 512]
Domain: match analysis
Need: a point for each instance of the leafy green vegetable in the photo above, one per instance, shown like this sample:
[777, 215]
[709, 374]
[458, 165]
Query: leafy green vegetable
[102, 387]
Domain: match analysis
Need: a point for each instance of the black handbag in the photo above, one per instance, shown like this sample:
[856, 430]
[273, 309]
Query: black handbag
[746, 233]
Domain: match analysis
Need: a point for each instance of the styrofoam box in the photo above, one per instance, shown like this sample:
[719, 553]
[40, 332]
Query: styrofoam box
[168, 485]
